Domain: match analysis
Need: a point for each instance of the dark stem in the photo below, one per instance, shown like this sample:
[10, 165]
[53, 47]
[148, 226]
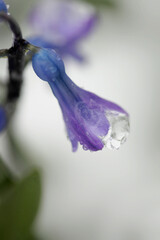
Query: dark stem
[15, 64]
[13, 25]
[16, 58]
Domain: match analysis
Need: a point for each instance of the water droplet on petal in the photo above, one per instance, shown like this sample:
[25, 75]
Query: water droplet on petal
[85, 147]
[119, 129]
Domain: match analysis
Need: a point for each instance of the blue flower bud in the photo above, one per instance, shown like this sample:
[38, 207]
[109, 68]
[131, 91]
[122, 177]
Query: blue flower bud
[3, 7]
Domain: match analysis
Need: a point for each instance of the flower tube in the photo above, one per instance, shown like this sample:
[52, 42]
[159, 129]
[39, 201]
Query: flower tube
[90, 120]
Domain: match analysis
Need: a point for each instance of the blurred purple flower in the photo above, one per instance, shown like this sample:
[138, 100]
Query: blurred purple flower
[62, 49]
[3, 7]
[90, 120]
[62, 24]
[3, 118]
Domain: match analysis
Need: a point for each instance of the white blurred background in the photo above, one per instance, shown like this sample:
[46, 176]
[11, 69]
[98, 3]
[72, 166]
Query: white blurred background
[107, 195]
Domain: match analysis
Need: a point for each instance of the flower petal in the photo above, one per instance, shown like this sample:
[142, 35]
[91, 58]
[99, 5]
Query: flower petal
[71, 20]
[62, 49]
[90, 120]
[3, 7]
[3, 118]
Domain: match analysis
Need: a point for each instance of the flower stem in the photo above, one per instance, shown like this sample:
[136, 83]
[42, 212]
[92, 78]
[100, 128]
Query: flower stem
[15, 67]
[15, 59]
[3, 53]
[18, 56]
[13, 25]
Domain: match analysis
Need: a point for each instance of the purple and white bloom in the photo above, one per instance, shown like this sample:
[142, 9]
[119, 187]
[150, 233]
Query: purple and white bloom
[63, 24]
[3, 119]
[3, 6]
[90, 120]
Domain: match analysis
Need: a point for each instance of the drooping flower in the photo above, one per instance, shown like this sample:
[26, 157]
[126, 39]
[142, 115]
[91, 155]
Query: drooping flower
[3, 7]
[90, 120]
[62, 24]
[3, 118]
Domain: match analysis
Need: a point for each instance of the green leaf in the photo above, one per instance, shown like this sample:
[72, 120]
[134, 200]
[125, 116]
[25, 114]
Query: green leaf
[31, 236]
[107, 3]
[5, 174]
[19, 153]
[7, 179]
[23, 158]
[19, 208]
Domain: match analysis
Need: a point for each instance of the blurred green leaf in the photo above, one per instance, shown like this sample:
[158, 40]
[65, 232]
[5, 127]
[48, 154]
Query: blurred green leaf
[19, 208]
[20, 155]
[107, 3]
[31, 237]
[5, 174]
[6, 178]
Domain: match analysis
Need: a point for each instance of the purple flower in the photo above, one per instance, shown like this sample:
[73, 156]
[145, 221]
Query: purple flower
[63, 24]
[62, 49]
[3, 118]
[3, 7]
[90, 120]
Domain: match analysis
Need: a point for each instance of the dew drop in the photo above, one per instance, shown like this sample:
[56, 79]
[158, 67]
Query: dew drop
[119, 130]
